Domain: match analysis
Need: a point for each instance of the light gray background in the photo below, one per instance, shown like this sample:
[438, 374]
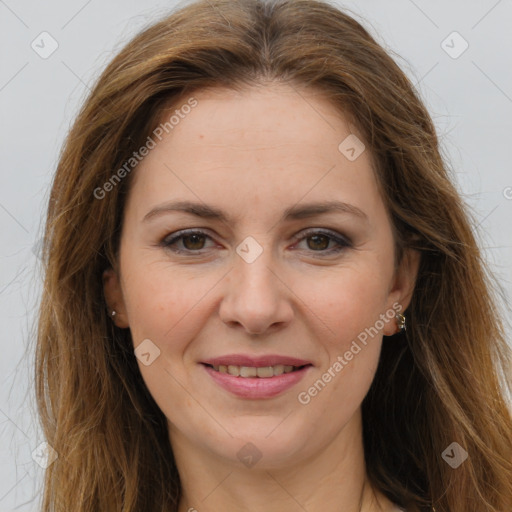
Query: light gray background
[470, 99]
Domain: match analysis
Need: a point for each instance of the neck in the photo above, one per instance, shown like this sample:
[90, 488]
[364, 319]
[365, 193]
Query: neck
[332, 480]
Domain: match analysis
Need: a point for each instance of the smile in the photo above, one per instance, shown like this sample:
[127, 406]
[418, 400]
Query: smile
[256, 377]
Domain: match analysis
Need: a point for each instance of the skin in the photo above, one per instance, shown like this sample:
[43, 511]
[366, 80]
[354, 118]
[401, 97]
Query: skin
[253, 154]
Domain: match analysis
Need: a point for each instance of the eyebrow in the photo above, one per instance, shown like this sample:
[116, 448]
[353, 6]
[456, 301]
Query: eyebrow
[291, 213]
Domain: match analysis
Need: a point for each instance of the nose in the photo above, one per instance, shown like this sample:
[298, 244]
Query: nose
[256, 297]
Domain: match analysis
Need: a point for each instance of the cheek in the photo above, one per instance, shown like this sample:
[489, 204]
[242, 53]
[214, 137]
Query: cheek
[347, 303]
[160, 300]
[167, 307]
[350, 304]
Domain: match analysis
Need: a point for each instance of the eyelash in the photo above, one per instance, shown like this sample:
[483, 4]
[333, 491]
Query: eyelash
[343, 242]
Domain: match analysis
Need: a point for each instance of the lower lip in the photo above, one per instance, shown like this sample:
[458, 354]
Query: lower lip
[256, 387]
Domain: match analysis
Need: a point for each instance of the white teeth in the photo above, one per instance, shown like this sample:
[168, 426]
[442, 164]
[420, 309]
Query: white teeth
[248, 371]
[234, 370]
[266, 371]
[278, 369]
[263, 372]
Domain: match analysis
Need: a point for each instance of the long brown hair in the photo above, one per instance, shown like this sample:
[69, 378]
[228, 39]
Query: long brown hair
[444, 380]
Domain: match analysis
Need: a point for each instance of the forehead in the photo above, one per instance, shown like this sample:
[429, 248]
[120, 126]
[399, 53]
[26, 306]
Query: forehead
[257, 118]
[251, 146]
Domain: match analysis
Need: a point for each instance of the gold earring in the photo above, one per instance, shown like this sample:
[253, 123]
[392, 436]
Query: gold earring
[400, 321]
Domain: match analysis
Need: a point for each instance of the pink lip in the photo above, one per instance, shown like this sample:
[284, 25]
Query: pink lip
[257, 361]
[256, 387]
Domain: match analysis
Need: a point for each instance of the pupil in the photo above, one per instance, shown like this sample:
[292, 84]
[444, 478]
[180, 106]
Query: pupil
[195, 241]
[323, 238]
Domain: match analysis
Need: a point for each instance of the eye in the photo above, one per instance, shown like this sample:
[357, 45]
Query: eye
[319, 241]
[193, 241]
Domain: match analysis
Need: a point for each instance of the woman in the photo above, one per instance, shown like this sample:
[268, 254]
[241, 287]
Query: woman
[262, 289]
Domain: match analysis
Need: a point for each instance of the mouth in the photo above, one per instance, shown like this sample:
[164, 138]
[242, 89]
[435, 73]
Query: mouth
[260, 372]
[256, 377]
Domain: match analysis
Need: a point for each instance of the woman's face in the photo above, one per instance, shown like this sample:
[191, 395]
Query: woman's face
[288, 276]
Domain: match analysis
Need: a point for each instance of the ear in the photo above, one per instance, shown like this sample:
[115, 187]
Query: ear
[402, 287]
[114, 298]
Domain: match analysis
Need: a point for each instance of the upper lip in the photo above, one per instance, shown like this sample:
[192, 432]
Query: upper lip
[256, 361]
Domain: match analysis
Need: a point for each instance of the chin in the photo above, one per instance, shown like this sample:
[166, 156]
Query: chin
[266, 443]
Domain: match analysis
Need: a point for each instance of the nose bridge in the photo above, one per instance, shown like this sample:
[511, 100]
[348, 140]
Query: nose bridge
[255, 298]
[253, 262]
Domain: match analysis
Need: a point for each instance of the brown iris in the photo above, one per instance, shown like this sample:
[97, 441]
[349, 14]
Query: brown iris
[319, 242]
[197, 241]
